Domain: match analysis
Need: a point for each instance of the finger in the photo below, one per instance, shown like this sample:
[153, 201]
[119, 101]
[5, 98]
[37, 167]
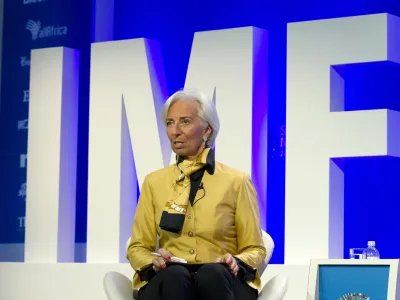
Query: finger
[161, 261]
[232, 267]
[236, 270]
[233, 264]
[219, 259]
[156, 265]
[228, 259]
[164, 254]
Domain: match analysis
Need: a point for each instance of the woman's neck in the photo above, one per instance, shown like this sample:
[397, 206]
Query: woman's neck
[193, 157]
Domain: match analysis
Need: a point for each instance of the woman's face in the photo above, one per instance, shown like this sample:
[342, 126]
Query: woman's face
[185, 129]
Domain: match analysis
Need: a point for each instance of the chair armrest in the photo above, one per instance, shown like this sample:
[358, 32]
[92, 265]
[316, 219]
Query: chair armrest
[117, 286]
[274, 289]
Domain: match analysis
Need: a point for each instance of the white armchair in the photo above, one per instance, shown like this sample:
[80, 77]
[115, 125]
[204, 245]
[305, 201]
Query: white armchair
[119, 287]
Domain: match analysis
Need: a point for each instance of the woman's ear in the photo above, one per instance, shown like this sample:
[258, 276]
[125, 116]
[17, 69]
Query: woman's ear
[207, 132]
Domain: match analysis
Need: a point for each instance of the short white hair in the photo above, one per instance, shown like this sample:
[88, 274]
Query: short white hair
[207, 110]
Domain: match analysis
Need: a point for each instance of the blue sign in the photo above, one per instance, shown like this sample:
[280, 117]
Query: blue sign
[353, 282]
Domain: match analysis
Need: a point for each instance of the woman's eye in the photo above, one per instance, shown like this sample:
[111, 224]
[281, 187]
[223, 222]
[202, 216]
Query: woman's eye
[186, 121]
[169, 123]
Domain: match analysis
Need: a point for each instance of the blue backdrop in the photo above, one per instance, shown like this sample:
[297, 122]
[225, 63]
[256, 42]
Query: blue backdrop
[371, 188]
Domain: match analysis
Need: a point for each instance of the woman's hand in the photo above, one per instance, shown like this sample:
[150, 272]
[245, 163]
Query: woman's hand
[230, 261]
[159, 262]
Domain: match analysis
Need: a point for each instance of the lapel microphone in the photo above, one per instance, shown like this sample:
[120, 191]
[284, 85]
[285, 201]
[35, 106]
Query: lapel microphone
[181, 178]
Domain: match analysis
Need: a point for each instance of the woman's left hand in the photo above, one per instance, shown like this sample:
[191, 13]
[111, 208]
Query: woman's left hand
[230, 261]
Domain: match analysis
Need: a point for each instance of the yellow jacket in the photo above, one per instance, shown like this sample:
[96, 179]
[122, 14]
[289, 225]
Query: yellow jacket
[225, 220]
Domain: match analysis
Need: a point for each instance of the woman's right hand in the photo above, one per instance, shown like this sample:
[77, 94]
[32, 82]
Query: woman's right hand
[159, 262]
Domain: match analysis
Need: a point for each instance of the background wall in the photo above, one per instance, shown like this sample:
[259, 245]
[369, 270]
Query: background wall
[371, 184]
[1, 37]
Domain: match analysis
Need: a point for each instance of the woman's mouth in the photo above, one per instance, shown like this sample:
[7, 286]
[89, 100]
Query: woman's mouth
[178, 145]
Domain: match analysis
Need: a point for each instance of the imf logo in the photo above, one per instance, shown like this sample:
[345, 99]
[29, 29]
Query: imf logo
[354, 296]
[34, 28]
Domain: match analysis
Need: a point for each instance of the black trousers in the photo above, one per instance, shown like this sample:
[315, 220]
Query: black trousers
[211, 281]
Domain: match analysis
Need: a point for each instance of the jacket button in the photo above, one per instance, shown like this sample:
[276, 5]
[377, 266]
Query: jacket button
[191, 251]
[190, 233]
[190, 216]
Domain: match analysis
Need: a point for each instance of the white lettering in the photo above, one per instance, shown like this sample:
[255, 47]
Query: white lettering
[25, 61]
[316, 118]
[22, 191]
[26, 2]
[22, 124]
[128, 90]
[26, 96]
[51, 167]
[51, 31]
[22, 161]
[21, 222]
[35, 27]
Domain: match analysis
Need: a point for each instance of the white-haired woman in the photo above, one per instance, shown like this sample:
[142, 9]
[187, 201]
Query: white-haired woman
[204, 212]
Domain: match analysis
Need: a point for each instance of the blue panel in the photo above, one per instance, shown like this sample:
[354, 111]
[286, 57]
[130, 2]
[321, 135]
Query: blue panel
[371, 184]
[74, 19]
[337, 281]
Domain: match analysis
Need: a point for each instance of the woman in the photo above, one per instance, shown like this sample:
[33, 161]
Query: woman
[204, 212]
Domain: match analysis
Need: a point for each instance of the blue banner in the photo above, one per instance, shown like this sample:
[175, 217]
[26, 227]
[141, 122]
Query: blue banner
[33, 24]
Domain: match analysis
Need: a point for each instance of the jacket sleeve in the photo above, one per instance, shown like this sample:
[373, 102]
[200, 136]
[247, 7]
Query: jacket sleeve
[251, 248]
[144, 235]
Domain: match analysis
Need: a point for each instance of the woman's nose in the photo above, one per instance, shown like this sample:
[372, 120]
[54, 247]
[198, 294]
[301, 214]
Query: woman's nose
[175, 130]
